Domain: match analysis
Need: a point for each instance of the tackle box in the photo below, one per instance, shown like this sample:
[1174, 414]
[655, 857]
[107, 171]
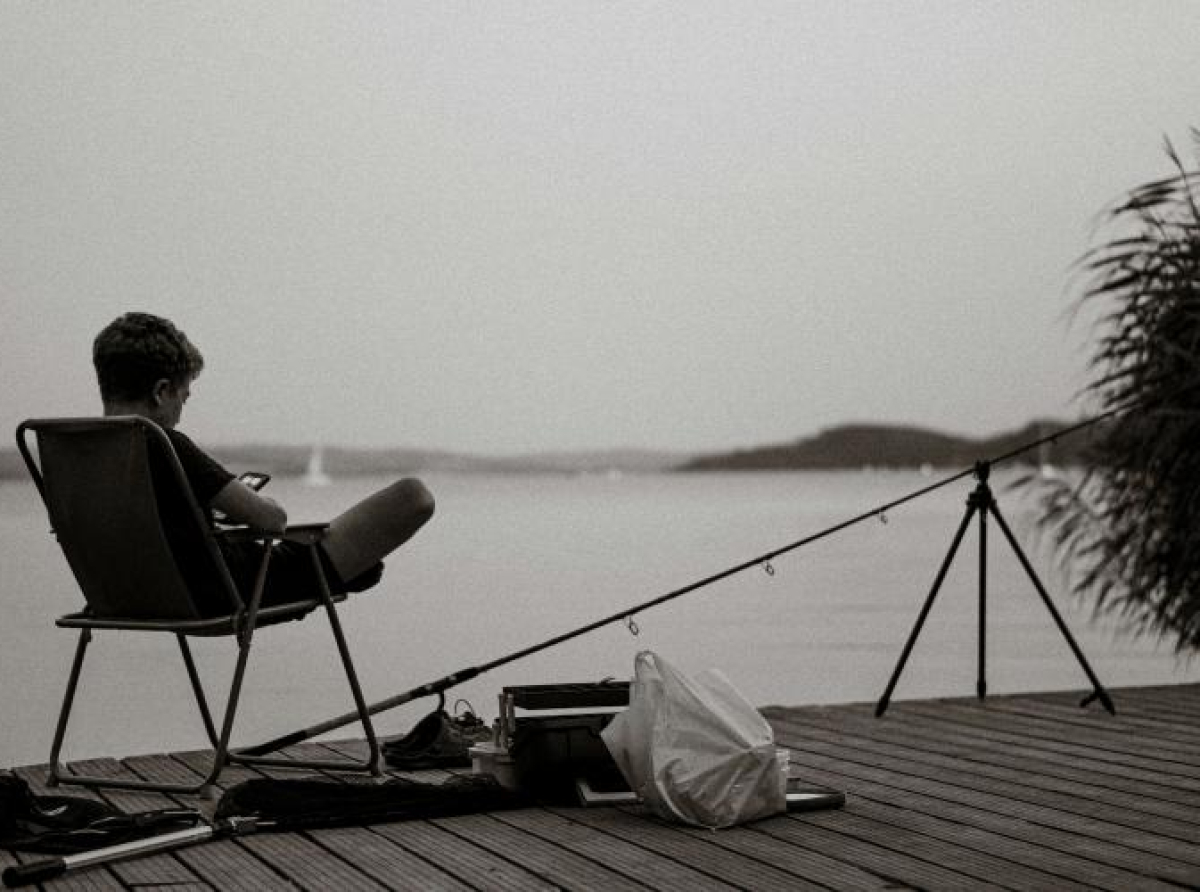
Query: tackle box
[548, 737]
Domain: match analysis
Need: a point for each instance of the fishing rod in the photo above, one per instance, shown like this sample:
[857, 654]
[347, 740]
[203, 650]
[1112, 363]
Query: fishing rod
[51, 868]
[439, 686]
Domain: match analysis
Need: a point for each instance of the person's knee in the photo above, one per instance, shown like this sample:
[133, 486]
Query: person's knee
[417, 498]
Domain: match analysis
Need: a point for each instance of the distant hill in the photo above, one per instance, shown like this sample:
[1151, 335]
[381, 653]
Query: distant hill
[863, 445]
[345, 462]
[627, 461]
[289, 461]
[846, 446]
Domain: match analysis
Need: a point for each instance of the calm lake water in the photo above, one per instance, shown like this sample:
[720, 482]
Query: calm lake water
[512, 560]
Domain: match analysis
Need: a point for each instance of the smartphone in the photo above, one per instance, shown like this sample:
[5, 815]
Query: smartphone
[256, 480]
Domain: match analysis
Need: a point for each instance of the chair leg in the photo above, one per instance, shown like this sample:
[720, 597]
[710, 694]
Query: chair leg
[57, 771]
[221, 755]
[197, 689]
[206, 787]
[374, 761]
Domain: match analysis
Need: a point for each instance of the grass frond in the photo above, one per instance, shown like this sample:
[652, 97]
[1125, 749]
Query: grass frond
[1127, 534]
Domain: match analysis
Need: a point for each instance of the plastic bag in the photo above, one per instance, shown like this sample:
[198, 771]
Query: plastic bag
[694, 749]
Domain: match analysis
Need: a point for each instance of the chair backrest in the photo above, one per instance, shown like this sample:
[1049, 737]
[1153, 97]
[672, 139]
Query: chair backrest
[104, 481]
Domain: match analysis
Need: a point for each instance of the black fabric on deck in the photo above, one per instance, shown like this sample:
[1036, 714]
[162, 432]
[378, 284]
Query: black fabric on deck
[304, 803]
[65, 825]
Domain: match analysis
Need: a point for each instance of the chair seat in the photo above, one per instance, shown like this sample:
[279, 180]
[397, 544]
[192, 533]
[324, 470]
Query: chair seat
[216, 625]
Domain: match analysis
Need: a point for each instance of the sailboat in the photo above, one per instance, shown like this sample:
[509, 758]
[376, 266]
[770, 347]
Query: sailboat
[1046, 467]
[314, 474]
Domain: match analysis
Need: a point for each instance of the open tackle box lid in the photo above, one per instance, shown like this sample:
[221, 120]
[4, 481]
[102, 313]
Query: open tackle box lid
[549, 743]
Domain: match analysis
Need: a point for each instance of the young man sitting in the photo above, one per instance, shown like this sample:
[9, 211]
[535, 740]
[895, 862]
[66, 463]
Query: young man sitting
[145, 366]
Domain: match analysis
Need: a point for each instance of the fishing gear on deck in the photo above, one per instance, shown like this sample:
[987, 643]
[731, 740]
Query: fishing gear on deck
[61, 825]
[982, 504]
[71, 827]
[292, 804]
[439, 686]
[297, 804]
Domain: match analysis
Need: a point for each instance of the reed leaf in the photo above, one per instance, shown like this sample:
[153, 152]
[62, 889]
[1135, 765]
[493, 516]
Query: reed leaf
[1126, 530]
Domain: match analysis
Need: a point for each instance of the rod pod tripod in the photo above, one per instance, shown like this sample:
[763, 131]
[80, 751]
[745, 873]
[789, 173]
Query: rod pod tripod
[982, 502]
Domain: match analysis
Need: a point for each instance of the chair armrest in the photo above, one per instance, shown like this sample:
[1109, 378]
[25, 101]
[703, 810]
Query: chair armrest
[304, 533]
[241, 532]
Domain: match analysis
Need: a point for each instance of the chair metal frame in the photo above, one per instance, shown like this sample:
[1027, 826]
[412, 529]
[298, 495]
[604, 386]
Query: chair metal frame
[241, 621]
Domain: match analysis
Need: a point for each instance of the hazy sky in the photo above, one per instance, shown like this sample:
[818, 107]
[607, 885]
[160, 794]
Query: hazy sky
[505, 227]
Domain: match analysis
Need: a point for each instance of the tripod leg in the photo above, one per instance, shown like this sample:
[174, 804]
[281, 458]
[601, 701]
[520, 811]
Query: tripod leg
[1098, 691]
[882, 705]
[981, 678]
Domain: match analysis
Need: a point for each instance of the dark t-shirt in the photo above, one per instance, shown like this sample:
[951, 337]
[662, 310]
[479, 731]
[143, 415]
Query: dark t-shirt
[205, 474]
[291, 575]
[206, 478]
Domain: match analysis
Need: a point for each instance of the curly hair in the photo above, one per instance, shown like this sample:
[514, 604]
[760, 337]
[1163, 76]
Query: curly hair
[136, 350]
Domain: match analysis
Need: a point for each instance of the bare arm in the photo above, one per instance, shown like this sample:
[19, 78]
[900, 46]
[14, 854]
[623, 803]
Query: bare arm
[240, 504]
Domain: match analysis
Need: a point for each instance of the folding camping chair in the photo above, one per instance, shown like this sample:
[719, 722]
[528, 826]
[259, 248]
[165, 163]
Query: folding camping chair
[98, 478]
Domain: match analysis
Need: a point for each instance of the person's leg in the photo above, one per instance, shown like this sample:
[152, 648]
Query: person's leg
[359, 538]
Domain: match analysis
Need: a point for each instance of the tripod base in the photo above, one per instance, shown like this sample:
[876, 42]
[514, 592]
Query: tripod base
[982, 503]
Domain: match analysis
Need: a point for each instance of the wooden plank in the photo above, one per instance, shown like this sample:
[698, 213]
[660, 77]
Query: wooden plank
[981, 746]
[1097, 839]
[1128, 721]
[1101, 747]
[1165, 711]
[633, 861]
[1086, 816]
[1180, 698]
[308, 864]
[1054, 715]
[1132, 704]
[469, 865]
[126, 800]
[230, 868]
[907, 867]
[1038, 843]
[917, 713]
[546, 860]
[85, 881]
[719, 855]
[1074, 798]
[1076, 726]
[1017, 769]
[979, 862]
[1015, 841]
[382, 859]
[957, 734]
[993, 743]
[809, 865]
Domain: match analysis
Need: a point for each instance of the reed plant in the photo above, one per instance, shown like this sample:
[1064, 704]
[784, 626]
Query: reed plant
[1127, 527]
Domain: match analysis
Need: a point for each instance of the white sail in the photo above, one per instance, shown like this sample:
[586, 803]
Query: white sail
[315, 474]
[1046, 467]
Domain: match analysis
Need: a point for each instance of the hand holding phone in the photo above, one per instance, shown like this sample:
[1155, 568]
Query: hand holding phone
[256, 480]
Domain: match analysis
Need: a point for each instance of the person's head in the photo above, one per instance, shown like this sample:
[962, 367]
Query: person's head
[145, 365]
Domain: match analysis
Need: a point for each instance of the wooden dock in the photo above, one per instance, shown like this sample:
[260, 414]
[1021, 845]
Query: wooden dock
[1015, 792]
